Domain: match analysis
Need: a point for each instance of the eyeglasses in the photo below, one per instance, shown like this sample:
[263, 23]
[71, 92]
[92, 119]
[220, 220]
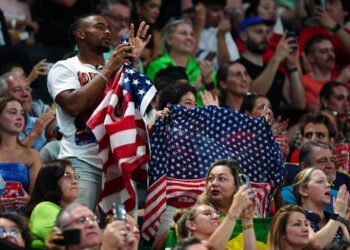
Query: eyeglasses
[119, 19]
[207, 213]
[70, 177]
[13, 232]
[85, 220]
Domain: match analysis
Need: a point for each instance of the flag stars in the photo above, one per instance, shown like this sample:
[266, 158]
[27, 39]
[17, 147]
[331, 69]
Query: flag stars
[130, 71]
[126, 80]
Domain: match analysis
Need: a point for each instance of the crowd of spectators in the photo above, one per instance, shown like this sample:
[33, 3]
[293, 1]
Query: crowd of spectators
[284, 60]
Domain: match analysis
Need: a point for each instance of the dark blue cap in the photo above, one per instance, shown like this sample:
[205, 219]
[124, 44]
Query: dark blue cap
[254, 20]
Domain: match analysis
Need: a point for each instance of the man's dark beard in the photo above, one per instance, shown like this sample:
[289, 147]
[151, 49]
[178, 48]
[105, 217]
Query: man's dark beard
[252, 47]
[102, 49]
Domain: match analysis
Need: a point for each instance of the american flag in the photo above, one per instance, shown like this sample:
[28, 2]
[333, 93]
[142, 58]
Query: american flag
[119, 125]
[188, 141]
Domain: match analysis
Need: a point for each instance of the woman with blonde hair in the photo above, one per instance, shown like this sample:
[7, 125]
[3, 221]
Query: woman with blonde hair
[313, 192]
[178, 42]
[288, 229]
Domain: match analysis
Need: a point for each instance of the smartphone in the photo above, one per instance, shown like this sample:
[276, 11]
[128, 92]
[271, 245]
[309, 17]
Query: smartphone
[71, 237]
[210, 56]
[245, 181]
[12, 189]
[49, 66]
[119, 212]
[124, 39]
[293, 34]
[317, 4]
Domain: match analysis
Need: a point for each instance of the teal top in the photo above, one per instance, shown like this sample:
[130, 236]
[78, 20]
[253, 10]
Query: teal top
[192, 71]
[106, 56]
[41, 222]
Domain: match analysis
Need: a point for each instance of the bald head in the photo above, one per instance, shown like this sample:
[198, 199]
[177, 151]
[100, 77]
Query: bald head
[92, 33]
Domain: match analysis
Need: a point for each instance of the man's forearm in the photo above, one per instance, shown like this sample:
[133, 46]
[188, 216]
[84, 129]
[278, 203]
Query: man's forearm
[297, 91]
[77, 101]
[264, 81]
[223, 54]
[344, 38]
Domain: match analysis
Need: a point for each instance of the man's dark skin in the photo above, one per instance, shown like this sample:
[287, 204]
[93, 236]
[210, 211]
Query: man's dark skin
[93, 37]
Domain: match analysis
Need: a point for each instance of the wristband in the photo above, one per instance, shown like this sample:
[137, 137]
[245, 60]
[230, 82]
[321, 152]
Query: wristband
[50, 136]
[336, 217]
[292, 70]
[246, 227]
[105, 78]
[232, 217]
[209, 86]
[336, 28]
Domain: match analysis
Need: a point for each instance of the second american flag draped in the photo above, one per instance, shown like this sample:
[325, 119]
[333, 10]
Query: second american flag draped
[119, 126]
[188, 141]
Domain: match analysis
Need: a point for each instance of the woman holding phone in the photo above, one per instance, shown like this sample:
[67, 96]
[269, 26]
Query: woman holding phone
[18, 163]
[224, 196]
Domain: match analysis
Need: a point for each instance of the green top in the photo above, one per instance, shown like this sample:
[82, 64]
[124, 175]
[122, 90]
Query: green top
[41, 222]
[289, 3]
[192, 71]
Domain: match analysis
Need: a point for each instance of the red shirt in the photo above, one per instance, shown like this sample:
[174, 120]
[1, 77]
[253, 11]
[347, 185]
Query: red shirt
[312, 88]
[341, 54]
[294, 158]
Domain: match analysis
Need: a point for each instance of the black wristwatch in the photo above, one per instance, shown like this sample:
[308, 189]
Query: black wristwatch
[336, 28]
[336, 217]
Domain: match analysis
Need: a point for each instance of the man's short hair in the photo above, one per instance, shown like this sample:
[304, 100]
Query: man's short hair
[62, 220]
[328, 89]
[307, 149]
[106, 5]
[317, 117]
[3, 83]
[309, 46]
[184, 243]
[77, 24]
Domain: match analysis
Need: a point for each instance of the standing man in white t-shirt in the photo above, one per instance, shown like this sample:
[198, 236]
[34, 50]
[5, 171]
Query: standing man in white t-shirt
[76, 85]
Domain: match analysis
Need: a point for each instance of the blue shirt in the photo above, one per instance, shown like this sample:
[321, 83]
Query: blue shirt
[289, 198]
[341, 177]
[40, 141]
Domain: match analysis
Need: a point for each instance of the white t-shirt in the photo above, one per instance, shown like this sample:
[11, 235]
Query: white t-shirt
[208, 43]
[77, 141]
